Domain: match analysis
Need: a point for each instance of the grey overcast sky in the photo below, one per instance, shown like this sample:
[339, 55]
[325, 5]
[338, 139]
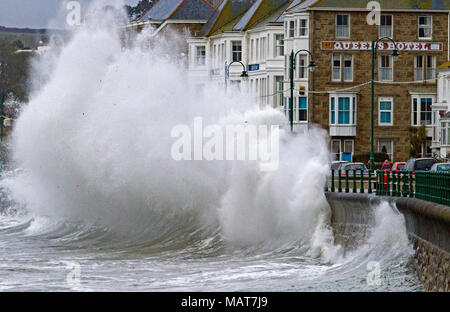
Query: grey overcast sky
[35, 13]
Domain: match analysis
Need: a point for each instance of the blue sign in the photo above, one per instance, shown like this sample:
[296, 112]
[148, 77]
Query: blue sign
[346, 157]
[253, 67]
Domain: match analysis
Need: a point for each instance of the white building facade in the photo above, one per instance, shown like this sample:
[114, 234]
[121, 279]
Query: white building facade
[243, 44]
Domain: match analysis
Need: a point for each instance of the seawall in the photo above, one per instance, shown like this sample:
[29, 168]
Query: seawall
[427, 224]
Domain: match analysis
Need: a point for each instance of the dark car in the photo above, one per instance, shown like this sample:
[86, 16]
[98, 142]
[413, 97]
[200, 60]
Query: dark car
[420, 164]
[336, 164]
[350, 167]
[441, 167]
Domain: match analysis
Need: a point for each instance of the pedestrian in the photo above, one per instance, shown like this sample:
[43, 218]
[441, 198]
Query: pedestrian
[386, 165]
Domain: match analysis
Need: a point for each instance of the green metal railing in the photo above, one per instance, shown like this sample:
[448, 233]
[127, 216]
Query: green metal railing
[433, 186]
[430, 186]
[349, 181]
[395, 183]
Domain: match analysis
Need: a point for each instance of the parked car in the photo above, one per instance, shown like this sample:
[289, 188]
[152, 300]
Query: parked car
[336, 164]
[398, 166]
[440, 167]
[350, 167]
[420, 164]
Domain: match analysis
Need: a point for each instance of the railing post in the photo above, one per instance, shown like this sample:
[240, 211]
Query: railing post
[339, 181]
[411, 188]
[377, 191]
[403, 184]
[361, 190]
[354, 181]
[370, 182]
[388, 184]
[332, 181]
[394, 186]
[347, 187]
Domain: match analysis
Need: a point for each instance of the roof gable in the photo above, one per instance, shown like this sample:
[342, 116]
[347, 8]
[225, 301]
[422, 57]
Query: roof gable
[227, 12]
[259, 10]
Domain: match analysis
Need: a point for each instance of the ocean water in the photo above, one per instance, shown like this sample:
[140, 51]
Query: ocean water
[92, 199]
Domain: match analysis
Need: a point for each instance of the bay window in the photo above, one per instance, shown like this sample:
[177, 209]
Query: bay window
[279, 45]
[445, 138]
[279, 90]
[303, 28]
[302, 108]
[291, 29]
[200, 55]
[236, 51]
[385, 111]
[343, 110]
[421, 110]
[302, 60]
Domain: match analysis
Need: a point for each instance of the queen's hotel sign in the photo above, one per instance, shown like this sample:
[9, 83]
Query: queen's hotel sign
[367, 45]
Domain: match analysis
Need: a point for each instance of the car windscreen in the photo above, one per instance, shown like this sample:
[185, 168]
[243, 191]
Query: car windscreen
[424, 164]
[401, 167]
[357, 167]
[443, 167]
[335, 166]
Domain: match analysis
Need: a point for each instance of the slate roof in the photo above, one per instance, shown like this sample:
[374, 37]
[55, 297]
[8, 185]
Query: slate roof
[179, 9]
[258, 11]
[275, 17]
[226, 13]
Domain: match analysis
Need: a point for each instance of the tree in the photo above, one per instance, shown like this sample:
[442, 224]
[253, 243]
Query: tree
[417, 138]
[13, 70]
[139, 9]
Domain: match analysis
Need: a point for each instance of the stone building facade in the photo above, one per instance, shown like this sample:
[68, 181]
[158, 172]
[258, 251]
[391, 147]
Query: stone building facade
[407, 93]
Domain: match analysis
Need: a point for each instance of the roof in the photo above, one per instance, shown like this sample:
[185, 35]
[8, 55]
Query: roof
[362, 4]
[227, 12]
[258, 11]
[445, 65]
[179, 9]
[274, 17]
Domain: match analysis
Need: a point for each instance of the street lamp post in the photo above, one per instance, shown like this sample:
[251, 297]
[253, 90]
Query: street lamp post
[244, 73]
[372, 99]
[311, 66]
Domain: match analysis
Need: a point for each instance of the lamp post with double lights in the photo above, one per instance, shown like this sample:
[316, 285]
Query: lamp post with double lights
[311, 66]
[394, 55]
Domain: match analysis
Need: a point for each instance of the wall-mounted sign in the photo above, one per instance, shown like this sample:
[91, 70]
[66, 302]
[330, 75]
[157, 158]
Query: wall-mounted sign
[253, 67]
[367, 45]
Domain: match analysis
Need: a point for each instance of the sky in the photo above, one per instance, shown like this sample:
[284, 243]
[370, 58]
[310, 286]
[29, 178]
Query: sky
[36, 13]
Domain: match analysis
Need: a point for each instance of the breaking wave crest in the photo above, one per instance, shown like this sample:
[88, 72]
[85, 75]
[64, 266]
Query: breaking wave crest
[94, 142]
